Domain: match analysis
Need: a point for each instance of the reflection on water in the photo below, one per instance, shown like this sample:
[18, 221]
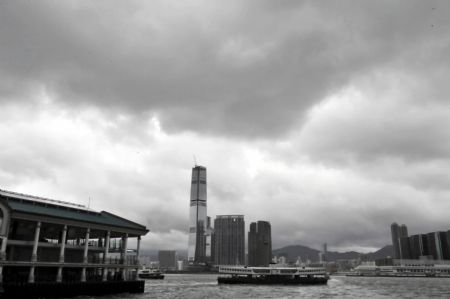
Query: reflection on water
[205, 286]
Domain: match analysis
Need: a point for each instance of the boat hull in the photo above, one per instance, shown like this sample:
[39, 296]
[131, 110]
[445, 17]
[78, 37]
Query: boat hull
[151, 276]
[272, 280]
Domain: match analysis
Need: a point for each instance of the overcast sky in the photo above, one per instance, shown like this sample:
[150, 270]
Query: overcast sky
[330, 119]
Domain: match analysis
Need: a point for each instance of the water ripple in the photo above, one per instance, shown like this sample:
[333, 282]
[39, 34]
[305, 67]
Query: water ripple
[190, 286]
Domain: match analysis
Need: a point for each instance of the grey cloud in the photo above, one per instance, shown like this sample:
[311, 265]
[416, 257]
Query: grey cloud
[178, 69]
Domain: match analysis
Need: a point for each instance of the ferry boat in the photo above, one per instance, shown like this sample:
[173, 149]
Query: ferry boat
[150, 273]
[272, 275]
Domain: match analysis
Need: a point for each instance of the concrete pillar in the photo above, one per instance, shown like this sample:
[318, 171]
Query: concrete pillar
[123, 255]
[105, 274]
[1, 275]
[35, 244]
[105, 255]
[3, 248]
[83, 274]
[63, 245]
[138, 247]
[31, 275]
[59, 275]
[85, 253]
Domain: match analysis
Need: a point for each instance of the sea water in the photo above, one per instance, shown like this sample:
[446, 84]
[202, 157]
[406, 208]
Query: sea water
[205, 286]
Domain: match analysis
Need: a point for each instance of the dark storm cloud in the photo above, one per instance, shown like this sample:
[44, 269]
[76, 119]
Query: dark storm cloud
[251, 70]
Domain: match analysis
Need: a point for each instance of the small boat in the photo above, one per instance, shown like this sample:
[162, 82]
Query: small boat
[150, 273]
[272, 275]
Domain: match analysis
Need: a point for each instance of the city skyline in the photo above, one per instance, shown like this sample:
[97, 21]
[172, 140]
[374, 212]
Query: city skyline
[328, 119]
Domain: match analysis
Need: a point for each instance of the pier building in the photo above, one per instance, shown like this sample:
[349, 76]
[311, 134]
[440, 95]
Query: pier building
[65, 247]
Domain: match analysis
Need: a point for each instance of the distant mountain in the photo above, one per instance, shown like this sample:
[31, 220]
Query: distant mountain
[292, 252]
[349, 255]
[386, 251]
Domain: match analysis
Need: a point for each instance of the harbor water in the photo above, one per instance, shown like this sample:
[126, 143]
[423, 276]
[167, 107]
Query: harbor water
[205, 286]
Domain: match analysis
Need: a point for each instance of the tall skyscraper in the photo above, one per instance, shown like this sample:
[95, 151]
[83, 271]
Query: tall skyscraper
[398, 232]
[229, 240]
[259, 244]
[197, 217]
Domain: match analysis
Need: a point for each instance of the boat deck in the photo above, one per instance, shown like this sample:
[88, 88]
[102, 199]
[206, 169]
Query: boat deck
[272, 275]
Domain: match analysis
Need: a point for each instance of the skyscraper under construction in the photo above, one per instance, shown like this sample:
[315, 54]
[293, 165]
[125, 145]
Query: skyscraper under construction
[198, 249]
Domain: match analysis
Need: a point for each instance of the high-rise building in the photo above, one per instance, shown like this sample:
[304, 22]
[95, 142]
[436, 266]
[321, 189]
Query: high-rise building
[425, 245]
[398, 232]
[435, 245]
[405, 248]
[394, 235]
[167, 259]
[197, 251]
[403, 231]
[415, 244]
[259, 244]
[325, 252]
[229, 240]
[445, 242]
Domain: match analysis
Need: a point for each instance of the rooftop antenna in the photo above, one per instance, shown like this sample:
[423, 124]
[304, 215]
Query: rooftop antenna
[89, 203]
[195, 161]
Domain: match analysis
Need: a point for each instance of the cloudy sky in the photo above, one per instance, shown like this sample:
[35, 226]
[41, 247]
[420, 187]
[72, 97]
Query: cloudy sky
[330, 119]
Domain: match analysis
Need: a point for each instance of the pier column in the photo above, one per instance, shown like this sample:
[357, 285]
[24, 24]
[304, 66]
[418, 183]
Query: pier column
[59, 275]
[31, 275]
[35, 244]
[83, 274]
[3, 256]
[3, 248]
[85, 255]
[86, 241]
[63, 244]
[105, 256]
[123, 255]
[138, 248]
[105, 253]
